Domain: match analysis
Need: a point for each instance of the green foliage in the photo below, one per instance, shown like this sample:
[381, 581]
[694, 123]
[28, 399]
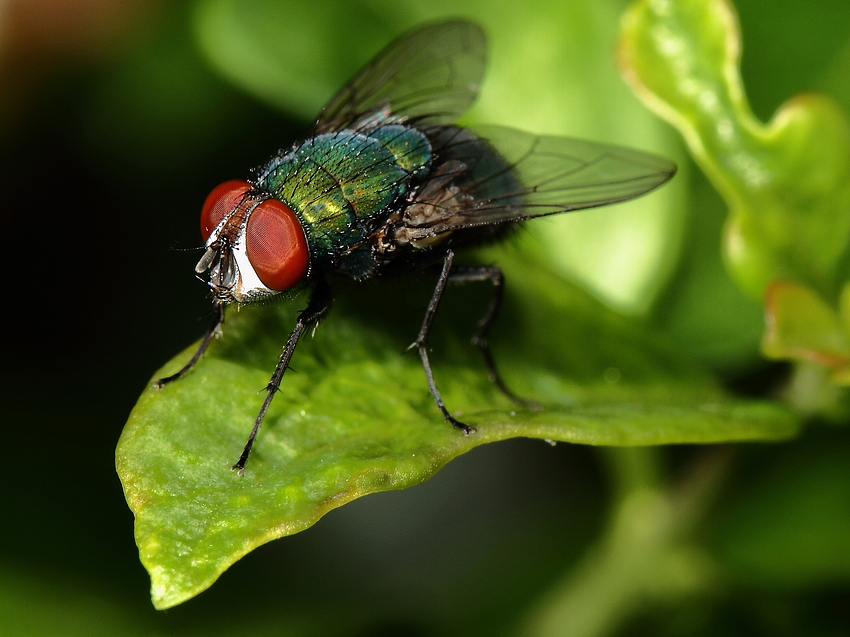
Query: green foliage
[797, 510]
[126, 135]
[801, 326]
[787, 183]
[356, 417]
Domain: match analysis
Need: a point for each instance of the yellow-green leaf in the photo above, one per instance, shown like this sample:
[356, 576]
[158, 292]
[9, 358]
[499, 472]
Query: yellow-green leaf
[787, 182]
[355, 417]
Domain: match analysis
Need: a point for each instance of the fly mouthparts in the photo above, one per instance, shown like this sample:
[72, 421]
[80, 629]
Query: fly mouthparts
[219, 262]
[206, 261]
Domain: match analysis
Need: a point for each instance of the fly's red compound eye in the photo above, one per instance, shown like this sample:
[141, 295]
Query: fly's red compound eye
[221, 202]
[276, 246]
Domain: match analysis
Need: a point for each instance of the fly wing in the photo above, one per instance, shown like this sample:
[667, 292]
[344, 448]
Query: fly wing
[493, 174]
[431, 75]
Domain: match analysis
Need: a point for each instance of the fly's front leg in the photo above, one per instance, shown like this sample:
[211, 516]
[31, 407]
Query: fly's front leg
[465, 274]
[320, 301]
[422, 340]
[218, 319]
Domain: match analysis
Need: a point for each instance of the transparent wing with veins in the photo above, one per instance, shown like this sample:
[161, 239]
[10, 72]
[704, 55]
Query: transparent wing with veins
[429, 76]
[492, 174]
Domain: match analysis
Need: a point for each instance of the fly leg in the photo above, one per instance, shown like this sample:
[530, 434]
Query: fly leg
[422, 340]
[319, 303]
[218, 319]
[466, 274]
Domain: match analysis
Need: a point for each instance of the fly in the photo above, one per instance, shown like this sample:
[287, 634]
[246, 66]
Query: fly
[386, 184]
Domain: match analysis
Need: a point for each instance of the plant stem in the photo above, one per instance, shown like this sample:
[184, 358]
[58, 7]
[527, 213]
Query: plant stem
[645, 555]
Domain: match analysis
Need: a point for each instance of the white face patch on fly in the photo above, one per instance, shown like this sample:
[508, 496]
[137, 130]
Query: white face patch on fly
[231, 275]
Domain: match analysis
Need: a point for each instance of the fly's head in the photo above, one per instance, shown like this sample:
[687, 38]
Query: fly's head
[255, 246]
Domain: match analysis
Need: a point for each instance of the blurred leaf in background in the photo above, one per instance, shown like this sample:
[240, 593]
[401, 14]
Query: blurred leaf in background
[787, 182]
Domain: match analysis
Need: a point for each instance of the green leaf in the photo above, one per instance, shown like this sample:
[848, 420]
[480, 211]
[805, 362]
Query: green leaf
[787, 183]
[802, 326]
[354, 415]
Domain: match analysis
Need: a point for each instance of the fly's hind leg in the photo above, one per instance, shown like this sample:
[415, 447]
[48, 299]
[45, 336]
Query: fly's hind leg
[466, 274]
[422, 341]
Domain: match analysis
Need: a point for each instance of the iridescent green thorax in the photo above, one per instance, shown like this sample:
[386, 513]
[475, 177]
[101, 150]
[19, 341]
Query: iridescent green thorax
[343, 185]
